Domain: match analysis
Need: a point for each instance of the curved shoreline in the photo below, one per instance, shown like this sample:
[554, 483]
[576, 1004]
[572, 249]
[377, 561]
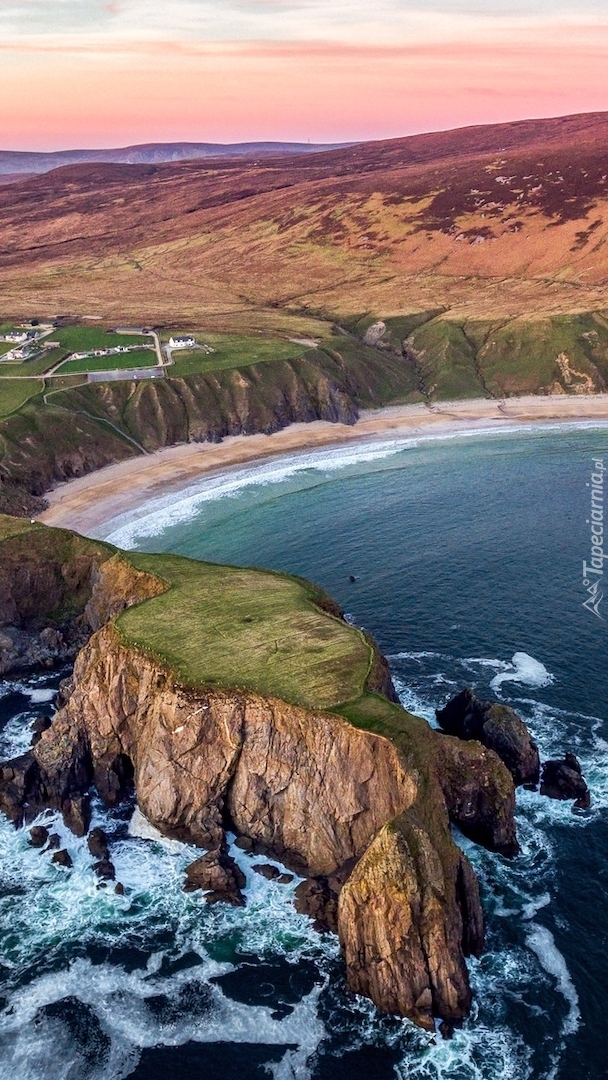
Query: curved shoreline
[87, 503]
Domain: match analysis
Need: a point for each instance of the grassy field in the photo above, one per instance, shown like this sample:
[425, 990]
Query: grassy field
[83, 338]
[25, 369]
[14, 393]
[118, 362]
[252, 629]
[232, 351]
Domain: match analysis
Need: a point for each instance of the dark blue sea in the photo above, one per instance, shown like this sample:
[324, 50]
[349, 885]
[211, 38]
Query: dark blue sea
[468, 558]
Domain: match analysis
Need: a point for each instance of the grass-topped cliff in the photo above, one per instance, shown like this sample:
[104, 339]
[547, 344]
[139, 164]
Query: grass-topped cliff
[240, 699]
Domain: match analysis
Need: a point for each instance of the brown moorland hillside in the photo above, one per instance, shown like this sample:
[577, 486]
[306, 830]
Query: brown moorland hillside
[485, 222]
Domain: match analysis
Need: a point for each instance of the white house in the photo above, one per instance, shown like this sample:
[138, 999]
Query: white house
[15, 337]
[182, 343]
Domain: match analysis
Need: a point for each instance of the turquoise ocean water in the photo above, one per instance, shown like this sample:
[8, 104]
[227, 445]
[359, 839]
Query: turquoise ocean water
[467, 554]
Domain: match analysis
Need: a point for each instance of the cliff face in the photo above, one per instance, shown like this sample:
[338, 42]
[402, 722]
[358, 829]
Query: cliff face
[53, 594]
[313, 789]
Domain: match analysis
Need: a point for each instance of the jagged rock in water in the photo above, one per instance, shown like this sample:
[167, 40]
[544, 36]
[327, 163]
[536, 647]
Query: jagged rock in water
[318, 898]
[76, 813]
[271, 873]
[42, 723]
[219, 876]
[315, 899]
[496, 726]
[62, 858]
[97, 843]
[564, 780]
[479, 794]
[105, 870]
[38, 836]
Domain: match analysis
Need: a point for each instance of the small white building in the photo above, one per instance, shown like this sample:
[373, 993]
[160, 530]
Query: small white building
[182, 343]
[15, 337]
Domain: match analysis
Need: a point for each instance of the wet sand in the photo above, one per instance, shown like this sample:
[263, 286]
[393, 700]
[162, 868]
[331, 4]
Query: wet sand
[87, 503]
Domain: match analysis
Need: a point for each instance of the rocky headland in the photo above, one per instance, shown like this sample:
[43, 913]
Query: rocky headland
[288, 735]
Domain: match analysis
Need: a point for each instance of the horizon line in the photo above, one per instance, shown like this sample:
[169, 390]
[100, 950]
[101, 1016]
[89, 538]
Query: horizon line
[330, 145]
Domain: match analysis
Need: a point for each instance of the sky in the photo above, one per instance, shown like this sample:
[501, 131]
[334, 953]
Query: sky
[93, 73]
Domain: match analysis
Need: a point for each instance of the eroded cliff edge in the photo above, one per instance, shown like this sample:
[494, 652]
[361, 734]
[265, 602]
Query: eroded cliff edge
[328, 775]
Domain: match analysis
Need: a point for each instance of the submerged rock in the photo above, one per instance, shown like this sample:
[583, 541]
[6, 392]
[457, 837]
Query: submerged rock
[564, 780]
[496, 726]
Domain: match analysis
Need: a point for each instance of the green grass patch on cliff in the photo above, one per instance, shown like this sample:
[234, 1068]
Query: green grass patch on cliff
[12, 526]
[15, 392]
[247, 628]
[232, 351]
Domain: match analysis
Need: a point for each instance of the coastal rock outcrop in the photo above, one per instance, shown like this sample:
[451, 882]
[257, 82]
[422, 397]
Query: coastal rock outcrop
[219, 876]
[55, 590]
[479, 793]
[563, 779]
[308, 787]
[496, 726]
[399, 948]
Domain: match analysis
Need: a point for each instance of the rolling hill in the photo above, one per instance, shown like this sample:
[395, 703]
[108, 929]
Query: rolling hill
[500, 220]
[14, 163]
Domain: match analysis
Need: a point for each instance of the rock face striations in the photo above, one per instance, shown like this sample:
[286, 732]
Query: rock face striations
[358, 797]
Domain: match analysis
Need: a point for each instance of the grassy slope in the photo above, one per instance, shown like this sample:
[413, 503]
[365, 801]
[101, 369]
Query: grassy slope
[498, 221]
[258, 382]
[15, 392]
[266, 632]
[247, 628]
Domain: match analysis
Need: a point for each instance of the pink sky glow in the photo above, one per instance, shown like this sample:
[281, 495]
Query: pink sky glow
[66, 94]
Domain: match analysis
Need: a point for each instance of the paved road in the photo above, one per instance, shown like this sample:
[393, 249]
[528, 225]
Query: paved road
[124, 373]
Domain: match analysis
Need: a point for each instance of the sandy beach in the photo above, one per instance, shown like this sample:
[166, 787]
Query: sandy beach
[86, 503]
